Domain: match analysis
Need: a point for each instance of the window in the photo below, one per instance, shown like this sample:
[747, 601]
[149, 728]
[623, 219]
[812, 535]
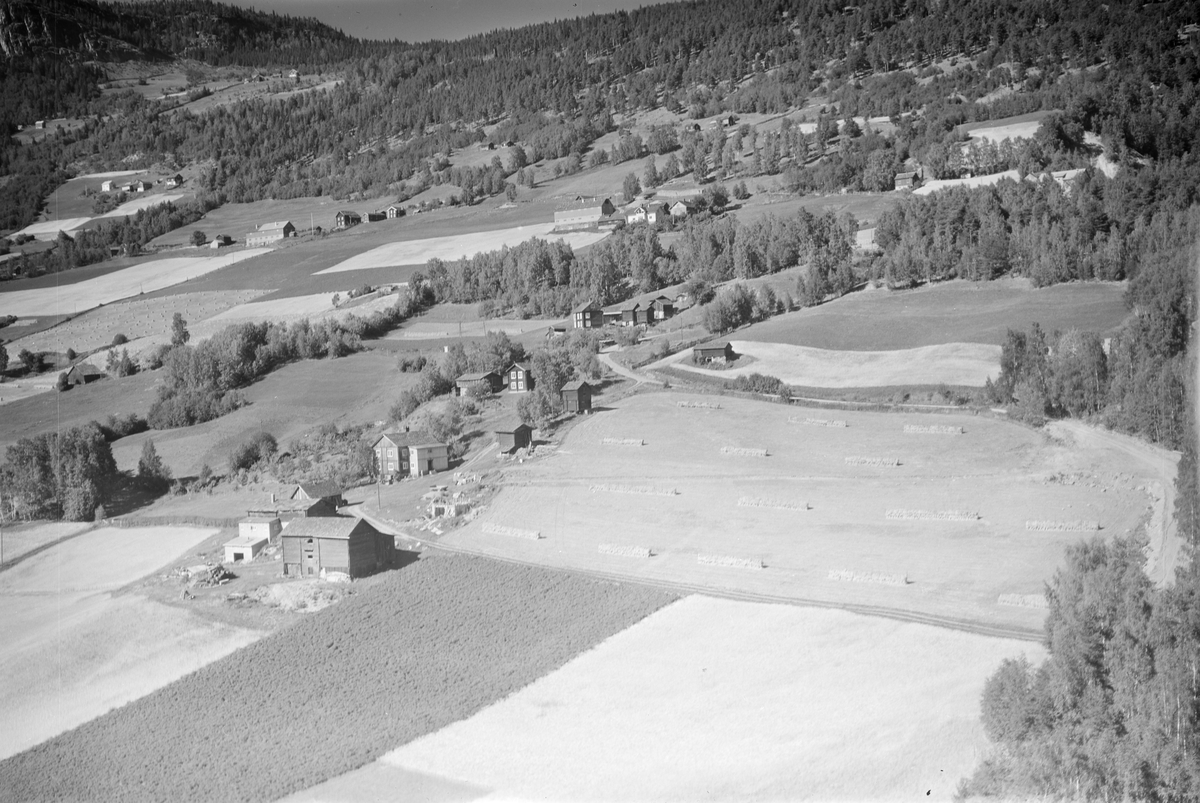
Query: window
[391, 466]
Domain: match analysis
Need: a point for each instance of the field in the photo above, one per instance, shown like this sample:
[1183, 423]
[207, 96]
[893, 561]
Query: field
[465, 244]
[1019, 126]
[74, 649]
[48, 229]
[681, 497]
[969, 364]
[952, 312]
[143, 276]
[431, 644]
[975, 181]
[711, 699]
[22, 538]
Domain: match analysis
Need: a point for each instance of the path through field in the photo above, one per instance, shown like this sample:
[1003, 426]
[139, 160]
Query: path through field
[716, 700]
[73, 649]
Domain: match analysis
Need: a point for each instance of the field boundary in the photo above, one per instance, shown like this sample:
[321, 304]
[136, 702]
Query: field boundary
[8, 564]
[174, 521]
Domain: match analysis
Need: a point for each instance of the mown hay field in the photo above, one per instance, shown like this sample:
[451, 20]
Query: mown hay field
[953, 312]
[961, 364]
[74, 649]
[431, 644]
[1004, 472]
[713, 699]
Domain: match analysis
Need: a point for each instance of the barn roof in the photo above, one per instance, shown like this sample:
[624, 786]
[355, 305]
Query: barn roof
[585, 306]
[318, 490]
[276, 226]
[510, 425]
[713, 347]
[414, 438]
[324, 527]
[576, 384]
[476, 376]
[85, 369]
[247, 540]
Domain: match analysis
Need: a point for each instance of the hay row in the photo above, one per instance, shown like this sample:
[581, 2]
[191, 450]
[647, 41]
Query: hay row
[819, 422]
[1062, 526]
[1023, 600]
[512, 532]
[932, 515]
[730, 561]
[882, 578]
[622, 442]
[932, 429]
[737, 450]
[647, 490]
[886, 462]
[778, 504]
[625, 551]
[699, 405]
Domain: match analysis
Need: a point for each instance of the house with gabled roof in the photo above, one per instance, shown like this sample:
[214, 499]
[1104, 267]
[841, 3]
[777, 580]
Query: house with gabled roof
[583, 216]
[394, 211]
[577, 396]
[513, 434]
[318, 492]
[588, 315]
[344, 220]
[519, 378]
[489, 379]
[269, 233]
[409, 454]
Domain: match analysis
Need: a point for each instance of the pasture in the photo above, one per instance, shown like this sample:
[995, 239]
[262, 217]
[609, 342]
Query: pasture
[952, 312]
[679, 496]
[715, 699]
[969, 364]
[74, 650]
[967, 183]
[142, 276]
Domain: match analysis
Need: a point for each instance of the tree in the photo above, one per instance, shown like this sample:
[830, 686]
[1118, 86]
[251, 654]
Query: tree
[179, 332]
[199, 237]
[151, 470]
[630, 187]
[61, 383]
[3, 361]
[650, 178]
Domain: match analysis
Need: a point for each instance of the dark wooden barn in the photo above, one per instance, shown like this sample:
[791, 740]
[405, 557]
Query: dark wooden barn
[513, 434]
[335, 544]
[713, 352]
[577, 397]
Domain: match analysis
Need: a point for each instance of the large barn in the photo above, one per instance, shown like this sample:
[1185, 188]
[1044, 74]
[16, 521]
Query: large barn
[335, 544]
[583, 216]
[269, 233]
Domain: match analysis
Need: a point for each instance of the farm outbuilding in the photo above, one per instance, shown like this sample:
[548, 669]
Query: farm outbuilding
[394, 211]
[513, 434]
[375, 217]
[345, 544]
[174, 181]
[577, 397]
[682, 209]
[244, 547]
[583, 216]
[664, 308]
[519, 377]
[82, 373]
[345, 220]
[269, 233]
[489, 379]
[905, 181]
[267, 527]
[713, 352]
[106, 186]
[318, 492]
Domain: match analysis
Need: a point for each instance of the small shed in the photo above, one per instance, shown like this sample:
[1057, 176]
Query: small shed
[513, 434]
[577, 397]
[244, 547]
[489, 379]
[267, 527]
[312, 547]
[908, 180]
[375, 217]
[82, 373]
[713, 352]
[520, 378]
[221, 241]
[664, 308]
[106, 186]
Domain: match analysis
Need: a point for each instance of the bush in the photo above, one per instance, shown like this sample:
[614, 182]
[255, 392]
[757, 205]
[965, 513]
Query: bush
[61, 383]
[71, 355]
[761, 383]
[117, 427]
[119, 339]
[253, 452]
[411, 363]
[628, 336]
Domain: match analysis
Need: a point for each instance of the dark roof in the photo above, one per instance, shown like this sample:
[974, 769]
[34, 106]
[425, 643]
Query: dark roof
[414, 438]
[509, 425]
[85, 369]
[475, 377]
[585, 306]
[349, 214]
[520, 365]
[324, 527]
[318, 490]
[576, 384]
[712, 347]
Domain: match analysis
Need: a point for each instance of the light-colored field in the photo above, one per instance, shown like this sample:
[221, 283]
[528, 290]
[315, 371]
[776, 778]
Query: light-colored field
[21, 538]
[141, 278]
[1004, 472]
[968, 364]
[432, 330]
[135, 318]
[976, 181]
[15, 391]
[111, 174]
[137, 204]
[74, 651]
[717, 700]
[49, 229]
[418, 252]
[1013, 131]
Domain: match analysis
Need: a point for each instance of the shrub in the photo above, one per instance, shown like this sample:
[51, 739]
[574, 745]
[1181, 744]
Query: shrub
[761, 383]
[253, 452]
[119, 339]
[61, 383]
[411, 363]
[628, 336]
[71, 355]
[117, 427]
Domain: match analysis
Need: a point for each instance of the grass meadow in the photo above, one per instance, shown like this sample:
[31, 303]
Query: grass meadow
[431, 644]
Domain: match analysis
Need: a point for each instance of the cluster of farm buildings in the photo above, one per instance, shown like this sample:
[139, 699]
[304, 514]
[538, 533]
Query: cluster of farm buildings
[591, 214]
